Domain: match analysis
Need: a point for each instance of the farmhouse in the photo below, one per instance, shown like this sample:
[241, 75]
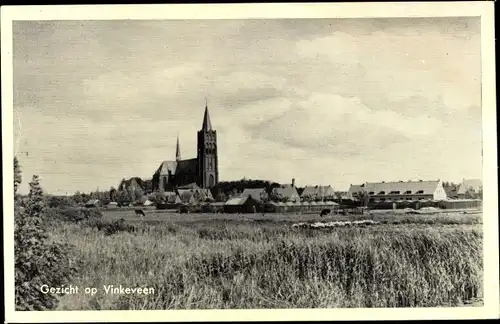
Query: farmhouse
[93, 203]
[355, 190]
[467, 186]
[316, 193]
[194, 195]
[258, 194]
[409, 190]
[241, 205]
[401, 191]
[286, 193]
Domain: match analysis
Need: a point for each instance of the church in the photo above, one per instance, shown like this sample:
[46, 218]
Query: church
[202, 170]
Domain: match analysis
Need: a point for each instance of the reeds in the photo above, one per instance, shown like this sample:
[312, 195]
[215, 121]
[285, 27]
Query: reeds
[246, 265]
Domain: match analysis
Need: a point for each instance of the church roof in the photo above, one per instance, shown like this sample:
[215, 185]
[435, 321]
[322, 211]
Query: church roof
[182, 166]
[187, 166]
[168, 166]
[207, 125]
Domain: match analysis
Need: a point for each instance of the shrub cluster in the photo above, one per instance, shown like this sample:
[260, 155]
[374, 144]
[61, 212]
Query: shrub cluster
[110, 228]
[73, 214]
[38, 260]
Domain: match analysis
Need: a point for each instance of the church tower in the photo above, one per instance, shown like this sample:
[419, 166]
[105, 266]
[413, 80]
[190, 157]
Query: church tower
[208, 169]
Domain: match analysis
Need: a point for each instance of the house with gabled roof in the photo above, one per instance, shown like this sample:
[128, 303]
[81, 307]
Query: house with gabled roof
[194, 195]
[286, 192]
[241, 205]
[474, 185]
[405, 190]
[355, 190]
[318, 192]
[256, 193]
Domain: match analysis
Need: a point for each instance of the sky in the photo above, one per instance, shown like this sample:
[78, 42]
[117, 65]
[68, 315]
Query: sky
[325, 101]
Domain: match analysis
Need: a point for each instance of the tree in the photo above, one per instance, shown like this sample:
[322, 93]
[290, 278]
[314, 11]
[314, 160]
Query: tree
[220, 197]
[78, 198]
[363, 197]
[38, 260]
[122, 196]
[112, 194]
[264, 197]
[470, 193]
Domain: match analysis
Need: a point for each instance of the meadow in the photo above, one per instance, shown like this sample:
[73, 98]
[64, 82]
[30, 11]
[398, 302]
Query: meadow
[207, 261]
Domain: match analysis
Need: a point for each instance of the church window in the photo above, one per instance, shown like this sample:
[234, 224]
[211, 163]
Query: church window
[211, 180]
[165, 183]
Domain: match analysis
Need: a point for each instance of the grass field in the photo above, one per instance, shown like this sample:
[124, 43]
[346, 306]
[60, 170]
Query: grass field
[206, 261]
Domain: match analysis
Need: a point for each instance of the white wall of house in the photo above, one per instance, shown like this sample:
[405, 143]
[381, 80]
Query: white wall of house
[440, 193]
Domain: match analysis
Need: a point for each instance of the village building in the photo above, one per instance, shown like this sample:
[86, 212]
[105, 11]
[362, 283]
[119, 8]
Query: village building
[467, 185]
[195, 195]
[401, 191]
[286, 193]
[202, 170]
[317, 193]
[355, 191]
[93, 203]
[112, 205]
[242, 205]
[171, 197]
[258, 194]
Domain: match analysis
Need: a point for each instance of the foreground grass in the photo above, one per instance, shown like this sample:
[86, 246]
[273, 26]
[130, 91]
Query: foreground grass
[241, 264]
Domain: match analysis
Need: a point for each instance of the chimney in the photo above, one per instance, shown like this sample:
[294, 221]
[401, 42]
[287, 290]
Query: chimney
[293, 182]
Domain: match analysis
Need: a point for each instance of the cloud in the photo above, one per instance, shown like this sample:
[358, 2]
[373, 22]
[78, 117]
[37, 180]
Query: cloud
[332, 101]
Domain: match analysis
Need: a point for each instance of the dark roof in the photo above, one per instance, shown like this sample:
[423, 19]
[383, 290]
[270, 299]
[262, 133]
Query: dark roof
[187, 166]
[207, 125]
[238, 201]
[183, 166]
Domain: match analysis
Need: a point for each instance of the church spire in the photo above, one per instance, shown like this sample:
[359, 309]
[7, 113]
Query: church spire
[207, 125]
[178, 150]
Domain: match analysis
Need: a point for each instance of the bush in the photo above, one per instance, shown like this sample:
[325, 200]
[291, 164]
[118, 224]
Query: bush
[208, 209]
[110, 228]
[73, 214]
[38, 261]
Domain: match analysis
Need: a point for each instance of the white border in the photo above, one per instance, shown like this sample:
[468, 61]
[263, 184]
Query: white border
[245, 11]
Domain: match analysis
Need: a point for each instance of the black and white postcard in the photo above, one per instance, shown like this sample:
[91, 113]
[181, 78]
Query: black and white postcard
[249, 161]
